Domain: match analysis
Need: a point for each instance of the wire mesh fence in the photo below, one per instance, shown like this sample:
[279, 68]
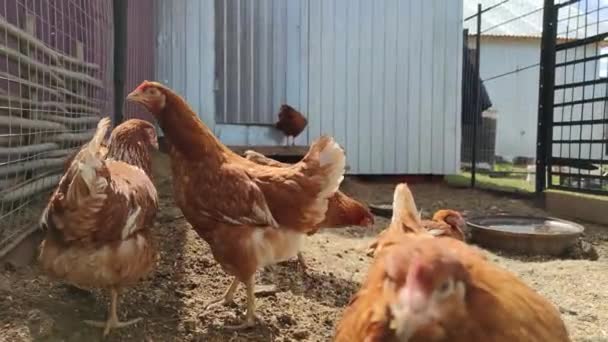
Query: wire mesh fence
[507, 119]
[55, 82]
[577, 117]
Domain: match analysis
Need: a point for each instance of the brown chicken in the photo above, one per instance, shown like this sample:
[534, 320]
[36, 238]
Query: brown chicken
[144, 131]
[131, 142]
[291, 123]
[251, 215]
[342, 211]
[103, 150]
[445, 222]
[424, 288]
[98, 220]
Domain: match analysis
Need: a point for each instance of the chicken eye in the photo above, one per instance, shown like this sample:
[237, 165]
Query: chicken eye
[445, 288]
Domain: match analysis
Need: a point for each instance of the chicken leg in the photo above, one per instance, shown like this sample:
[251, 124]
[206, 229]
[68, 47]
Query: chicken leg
[112, 322]
[226, 299]
[250, 316]
[302, 262]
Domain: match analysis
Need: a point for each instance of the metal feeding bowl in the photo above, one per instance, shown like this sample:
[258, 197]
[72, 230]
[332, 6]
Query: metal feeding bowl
[384, 210]
[527, 235]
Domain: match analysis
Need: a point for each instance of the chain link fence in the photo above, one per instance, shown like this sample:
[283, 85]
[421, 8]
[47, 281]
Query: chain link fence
[55, 83]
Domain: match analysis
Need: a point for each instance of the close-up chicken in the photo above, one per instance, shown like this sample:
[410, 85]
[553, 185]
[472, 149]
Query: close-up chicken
[251, 215]
[342, 211]
[445, 222]
[98, 220]
[291, 122]
[424, 288]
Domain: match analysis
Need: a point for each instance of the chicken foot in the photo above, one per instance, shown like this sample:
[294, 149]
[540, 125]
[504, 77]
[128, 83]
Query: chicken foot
[293, 141]
[250, 317]
[112, 322]
[302, 262]
[302, 265]
[226, 299]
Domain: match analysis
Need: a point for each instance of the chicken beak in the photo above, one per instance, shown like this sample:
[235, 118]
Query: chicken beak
[155, 143]
[404, 323]
[134, 96]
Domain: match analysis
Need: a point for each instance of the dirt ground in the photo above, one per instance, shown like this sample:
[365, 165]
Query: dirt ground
[306, 307]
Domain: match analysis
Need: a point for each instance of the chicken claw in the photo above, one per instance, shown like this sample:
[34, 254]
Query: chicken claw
[226, 299]
[250, 317]
[248, 323]
[304, 267]
[112, 322]
[302, 261]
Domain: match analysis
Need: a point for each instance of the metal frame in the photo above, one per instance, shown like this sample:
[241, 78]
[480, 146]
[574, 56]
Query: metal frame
[569, 156]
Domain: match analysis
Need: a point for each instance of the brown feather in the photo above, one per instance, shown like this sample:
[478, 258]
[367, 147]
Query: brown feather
[496, 306]
[251, 215]
[291, 122]
[342, 210]
[93, 238]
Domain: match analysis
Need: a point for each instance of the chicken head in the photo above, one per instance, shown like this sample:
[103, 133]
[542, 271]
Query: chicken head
[433, 296]
[150, 95]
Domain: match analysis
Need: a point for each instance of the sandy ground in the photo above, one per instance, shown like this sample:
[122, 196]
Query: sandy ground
[306, 307]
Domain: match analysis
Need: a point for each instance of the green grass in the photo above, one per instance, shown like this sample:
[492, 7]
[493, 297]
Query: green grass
[486, 182]
[506, 167]
[504, 184]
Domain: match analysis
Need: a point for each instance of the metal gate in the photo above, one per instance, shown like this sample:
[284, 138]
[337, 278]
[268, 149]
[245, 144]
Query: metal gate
[573, 117]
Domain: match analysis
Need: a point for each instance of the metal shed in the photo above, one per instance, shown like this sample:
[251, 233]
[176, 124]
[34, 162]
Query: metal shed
[383, 77]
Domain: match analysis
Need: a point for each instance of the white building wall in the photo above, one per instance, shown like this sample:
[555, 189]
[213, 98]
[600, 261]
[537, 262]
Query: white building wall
[515, 97]
[383, 77]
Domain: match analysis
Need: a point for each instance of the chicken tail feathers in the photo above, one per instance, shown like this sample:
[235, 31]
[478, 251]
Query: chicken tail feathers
[404, 208]
[89, 163]
[261, 159]
[332, 161]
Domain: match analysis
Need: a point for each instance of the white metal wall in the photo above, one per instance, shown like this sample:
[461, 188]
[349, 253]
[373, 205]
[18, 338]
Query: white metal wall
[185, 55]
[251, 60]
[383, 77]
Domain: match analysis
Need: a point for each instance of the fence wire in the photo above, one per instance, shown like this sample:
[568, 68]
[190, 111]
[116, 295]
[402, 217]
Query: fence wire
[55, 82]
[578, 131]
[505, 140]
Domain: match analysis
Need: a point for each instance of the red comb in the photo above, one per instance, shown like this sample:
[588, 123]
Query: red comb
[142, 86]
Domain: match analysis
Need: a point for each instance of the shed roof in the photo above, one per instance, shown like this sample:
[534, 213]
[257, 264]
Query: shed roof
[524, 18]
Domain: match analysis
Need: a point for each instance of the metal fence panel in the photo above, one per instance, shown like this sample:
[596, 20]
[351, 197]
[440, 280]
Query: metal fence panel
[576, 118]
[55, 81]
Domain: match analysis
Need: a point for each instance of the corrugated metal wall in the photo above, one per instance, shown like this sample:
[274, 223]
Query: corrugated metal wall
[185, 52]
[383, 77]
[141, 37]
[251, 53]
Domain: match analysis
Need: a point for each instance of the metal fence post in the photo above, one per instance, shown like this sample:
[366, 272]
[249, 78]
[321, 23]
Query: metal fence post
[120, 57]
[546, 95]
[477, 98]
